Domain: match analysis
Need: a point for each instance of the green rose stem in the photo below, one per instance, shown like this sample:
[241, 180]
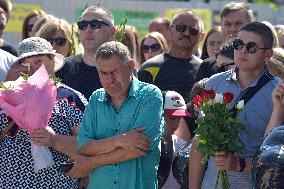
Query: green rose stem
[224, 180]
[217, 130]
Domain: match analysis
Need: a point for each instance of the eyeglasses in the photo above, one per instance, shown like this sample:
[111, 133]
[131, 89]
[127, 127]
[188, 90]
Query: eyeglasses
[60, 41]
[29, 27]
[182, 28]
[154, 47]
[251, 47]
[94, 24]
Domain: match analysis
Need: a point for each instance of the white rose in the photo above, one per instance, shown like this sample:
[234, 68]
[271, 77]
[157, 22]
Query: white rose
[201, 114]
[240, 104]
[218, 98]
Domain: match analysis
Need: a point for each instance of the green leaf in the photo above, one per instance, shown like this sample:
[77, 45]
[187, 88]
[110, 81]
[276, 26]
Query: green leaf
[120, 30]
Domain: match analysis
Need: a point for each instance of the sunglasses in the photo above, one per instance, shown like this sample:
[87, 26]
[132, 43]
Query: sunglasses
[60, 41]
[183, 28]
[29, 27]
[94, 24]
[251, 47]
[154, 47]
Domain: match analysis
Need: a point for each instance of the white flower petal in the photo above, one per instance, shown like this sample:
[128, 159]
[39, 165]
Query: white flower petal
[240, 104]
[218, 98]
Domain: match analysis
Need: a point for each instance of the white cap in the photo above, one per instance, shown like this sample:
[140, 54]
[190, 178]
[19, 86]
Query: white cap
[175, 105]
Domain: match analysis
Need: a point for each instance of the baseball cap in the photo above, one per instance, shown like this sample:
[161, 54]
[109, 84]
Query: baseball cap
[174, 105]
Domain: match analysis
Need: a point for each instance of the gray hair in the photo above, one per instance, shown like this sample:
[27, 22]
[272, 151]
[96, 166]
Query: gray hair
[107, 13]
[236, 6]
[113, 48]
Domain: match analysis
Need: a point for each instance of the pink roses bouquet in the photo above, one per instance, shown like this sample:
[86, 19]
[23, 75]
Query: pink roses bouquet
[30, 103]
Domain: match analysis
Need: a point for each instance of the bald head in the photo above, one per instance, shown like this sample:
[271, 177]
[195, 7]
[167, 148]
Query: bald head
[187, 13]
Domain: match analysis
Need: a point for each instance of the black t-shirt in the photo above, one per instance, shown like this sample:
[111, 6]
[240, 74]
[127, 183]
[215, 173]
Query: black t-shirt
[170, 73]
[206, 69]
[79, 76]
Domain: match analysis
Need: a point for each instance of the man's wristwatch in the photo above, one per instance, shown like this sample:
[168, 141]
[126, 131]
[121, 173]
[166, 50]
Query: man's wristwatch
[242, 162]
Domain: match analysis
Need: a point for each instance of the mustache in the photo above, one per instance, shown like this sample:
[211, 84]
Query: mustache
[185, 37]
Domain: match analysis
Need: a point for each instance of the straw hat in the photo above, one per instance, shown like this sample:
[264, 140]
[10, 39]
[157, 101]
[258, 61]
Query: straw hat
[38, 46]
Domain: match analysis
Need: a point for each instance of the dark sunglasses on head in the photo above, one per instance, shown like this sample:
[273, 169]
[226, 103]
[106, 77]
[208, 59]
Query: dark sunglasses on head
[251, 47]
[154, 47]
[94, 24]
[29, 27]
[60, 41]
[182, 28]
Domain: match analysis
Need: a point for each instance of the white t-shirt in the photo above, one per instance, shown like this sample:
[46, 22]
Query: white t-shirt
[6, 60]
[171, 182]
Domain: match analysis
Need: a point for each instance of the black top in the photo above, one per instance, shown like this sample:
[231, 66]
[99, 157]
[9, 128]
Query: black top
[79, 76]
[9, 48]
[207, 69]
[170, 73]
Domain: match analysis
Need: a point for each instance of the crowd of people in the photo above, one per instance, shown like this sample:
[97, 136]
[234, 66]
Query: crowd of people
[123, 108]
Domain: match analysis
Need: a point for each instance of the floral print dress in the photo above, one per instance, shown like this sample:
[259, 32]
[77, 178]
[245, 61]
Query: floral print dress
[16, 162]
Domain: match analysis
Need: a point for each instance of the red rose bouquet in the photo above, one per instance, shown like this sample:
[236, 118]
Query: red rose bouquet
[217, 130]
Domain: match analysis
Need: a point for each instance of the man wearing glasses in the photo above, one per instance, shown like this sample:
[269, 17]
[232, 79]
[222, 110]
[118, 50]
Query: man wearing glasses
[96, 26]
[176, 69]
[234, 15]
[252, 48]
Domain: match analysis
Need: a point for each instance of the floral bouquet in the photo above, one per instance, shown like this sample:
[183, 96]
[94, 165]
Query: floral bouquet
[217, 130]
[29, 102]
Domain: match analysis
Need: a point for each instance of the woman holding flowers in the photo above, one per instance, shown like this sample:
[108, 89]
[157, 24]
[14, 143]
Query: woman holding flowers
[17, 168]
[253, 48]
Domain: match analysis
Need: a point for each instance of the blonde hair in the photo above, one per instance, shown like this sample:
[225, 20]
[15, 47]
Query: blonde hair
[275, 64]
[159, 38]
[34, 13]
[59, 25]
[41, 22]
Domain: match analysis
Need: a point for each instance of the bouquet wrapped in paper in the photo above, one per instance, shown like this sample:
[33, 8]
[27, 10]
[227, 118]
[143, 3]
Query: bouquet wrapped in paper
[30, 103]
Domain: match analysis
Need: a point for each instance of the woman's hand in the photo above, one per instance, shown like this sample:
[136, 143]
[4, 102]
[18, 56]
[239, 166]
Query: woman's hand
[277, 96]
[15, 71]
[82, 167]
[43, 137]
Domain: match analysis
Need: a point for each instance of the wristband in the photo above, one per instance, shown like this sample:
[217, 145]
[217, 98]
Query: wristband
[242, 162]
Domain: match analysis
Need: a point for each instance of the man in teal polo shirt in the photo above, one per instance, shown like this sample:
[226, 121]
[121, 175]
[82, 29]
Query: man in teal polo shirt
[122, 125]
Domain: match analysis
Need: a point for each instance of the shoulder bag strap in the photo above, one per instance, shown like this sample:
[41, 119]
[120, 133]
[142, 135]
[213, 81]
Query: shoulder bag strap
[251, 91]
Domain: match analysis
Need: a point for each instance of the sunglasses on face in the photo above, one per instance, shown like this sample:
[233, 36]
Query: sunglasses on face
[251, 47]
[183, 28]
[29, 27]
[154, 48]
[60, 41]
[94, 24]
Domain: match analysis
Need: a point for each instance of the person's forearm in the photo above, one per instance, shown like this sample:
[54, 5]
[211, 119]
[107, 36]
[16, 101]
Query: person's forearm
[96, 147]
[65, 144]
[276, 119]
[116, 156]
[196, 168]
